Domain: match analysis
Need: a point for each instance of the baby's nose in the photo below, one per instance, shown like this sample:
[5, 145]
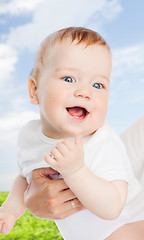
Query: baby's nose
[83, 92]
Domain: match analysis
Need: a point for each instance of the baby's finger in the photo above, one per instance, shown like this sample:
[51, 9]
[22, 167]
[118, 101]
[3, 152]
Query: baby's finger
[4, 228]
[7, 221]
[62, 148]
[1, 223]
[56, 153]
[51, 161]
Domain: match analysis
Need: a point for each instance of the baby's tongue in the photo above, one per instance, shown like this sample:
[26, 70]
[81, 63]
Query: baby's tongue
[75, 111]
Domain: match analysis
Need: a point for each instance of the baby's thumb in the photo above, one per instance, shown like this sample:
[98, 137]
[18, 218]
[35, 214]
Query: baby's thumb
[5, 229]
[7, 226]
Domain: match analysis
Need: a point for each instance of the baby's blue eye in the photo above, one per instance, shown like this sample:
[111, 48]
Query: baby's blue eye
[97, 85]
[69, 79]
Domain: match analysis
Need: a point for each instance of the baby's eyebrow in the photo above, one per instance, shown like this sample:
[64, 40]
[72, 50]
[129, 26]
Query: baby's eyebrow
[66, 69]
[78, 70]
[105, 78]
[101, 77]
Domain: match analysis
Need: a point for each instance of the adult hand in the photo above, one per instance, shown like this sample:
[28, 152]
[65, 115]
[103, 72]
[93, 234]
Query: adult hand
[50, 198]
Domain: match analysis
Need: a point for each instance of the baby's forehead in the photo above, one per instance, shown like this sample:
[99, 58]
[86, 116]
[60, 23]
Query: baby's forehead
[65, 54]
[66, 46]
[74, 36]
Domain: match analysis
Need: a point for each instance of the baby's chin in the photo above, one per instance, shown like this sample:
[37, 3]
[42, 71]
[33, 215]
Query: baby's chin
[71, 132]
[79, 133]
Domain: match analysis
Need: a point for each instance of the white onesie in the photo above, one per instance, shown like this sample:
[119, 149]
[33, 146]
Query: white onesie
[105, 156]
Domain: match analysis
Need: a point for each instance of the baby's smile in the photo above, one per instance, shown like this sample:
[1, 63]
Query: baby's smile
[77, 113]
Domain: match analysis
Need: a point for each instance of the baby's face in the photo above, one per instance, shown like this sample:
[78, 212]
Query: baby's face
[73, 90]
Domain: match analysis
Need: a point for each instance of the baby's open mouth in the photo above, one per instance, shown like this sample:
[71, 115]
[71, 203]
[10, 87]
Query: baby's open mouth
[78, 113]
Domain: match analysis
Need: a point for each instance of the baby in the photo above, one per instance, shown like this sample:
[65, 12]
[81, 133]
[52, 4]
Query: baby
[70, 83]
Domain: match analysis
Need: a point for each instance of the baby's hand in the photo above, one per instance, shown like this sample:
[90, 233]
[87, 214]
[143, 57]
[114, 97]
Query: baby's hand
[7, 220]
[68, 156]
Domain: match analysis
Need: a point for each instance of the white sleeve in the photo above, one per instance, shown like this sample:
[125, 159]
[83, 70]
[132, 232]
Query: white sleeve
[133, 139]
[111, 162]
[25, 143]
[30, 150]
[115, 164]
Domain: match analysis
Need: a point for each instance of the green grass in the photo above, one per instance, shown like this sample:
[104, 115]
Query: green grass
[29, 227]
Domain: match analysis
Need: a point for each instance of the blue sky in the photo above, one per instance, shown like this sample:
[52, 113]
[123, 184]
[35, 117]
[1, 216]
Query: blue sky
[24, 24]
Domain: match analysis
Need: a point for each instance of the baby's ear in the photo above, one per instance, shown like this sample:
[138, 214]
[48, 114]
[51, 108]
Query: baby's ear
[32, 89]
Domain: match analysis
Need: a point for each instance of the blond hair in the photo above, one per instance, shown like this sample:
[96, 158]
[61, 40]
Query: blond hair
[79, 35]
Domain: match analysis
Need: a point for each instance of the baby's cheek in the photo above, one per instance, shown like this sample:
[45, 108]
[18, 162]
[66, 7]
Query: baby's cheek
[103, 106]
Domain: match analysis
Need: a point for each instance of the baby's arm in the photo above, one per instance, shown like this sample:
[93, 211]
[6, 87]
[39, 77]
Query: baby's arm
[14, 206]
[105, 199]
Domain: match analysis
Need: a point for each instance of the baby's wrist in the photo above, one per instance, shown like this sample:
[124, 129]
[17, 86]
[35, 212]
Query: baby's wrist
[74, 173]
[11, 210]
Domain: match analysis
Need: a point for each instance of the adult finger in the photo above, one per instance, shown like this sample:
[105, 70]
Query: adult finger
[43, 172]
[67, 209]
[71, 204]
[66, 195]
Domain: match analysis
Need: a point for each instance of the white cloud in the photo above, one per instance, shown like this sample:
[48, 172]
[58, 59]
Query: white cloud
[109, 11]
[128, 68]
[8, 59]
[18, 102]
[2, 21]
[50, 16]
[17, 7]
[128, 59]
[16, 120]
[10, 125]
[112, 9]
[142, 79]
